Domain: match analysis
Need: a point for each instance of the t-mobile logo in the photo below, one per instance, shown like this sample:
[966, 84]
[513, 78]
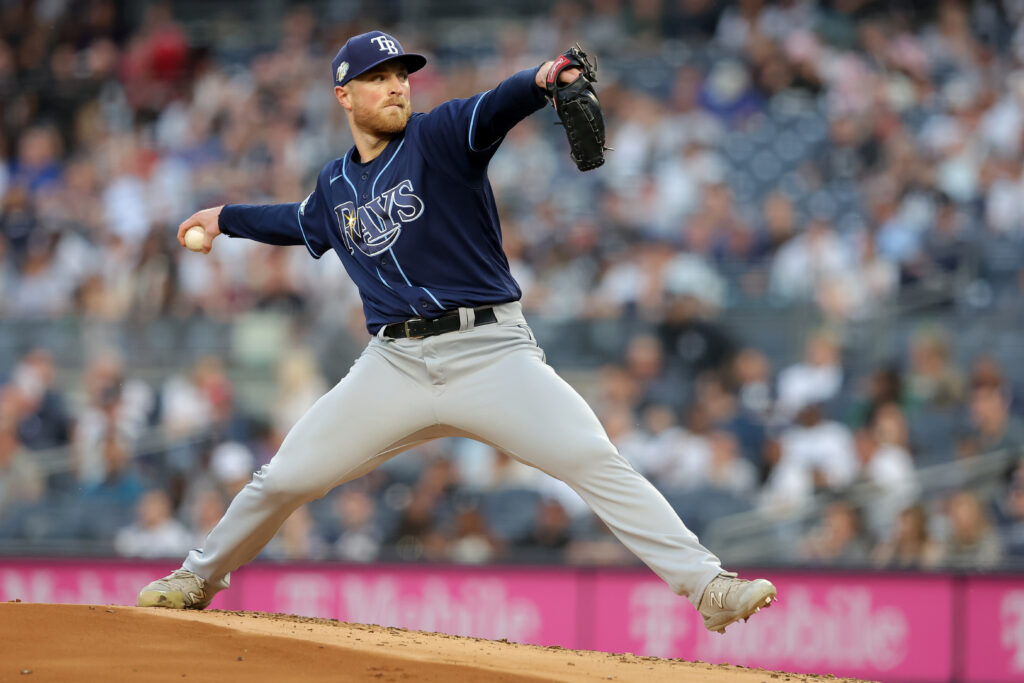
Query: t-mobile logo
[385, 44]
[1012, 613]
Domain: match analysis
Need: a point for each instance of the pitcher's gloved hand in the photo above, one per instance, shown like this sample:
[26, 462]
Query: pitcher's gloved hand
[578, 108]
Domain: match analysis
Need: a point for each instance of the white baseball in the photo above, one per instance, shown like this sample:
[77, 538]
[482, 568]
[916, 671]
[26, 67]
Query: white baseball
[195, 237]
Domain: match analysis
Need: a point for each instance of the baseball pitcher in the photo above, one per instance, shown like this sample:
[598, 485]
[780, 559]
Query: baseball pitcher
[409, 212]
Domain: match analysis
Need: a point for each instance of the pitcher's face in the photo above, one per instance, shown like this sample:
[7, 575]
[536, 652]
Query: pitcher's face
[379, 99]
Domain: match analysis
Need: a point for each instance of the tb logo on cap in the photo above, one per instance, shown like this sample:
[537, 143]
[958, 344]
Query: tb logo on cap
[385, 44]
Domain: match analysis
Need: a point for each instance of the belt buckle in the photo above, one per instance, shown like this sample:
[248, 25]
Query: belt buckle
[405, 327]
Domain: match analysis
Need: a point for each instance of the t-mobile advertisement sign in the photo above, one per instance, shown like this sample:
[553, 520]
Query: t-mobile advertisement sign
[907, 628]
[878, 628]
[532, 606]
[993, 631]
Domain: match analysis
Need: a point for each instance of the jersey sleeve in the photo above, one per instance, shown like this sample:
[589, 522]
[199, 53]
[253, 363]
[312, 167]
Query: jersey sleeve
[461, 136]
[293, 223]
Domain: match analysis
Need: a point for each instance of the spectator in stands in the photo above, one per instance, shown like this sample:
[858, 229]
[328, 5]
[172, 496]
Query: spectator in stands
[42, 290]
[298, 539]
[945, 249]
[887, 466]
[194, 406]
[779, 227]
[204, 508]
[645, 362]
[751, 376]
[624, 286]
[728, 471]
[21, 481]
[683, 456]
[44, 421]
[933, 381]
[1010, 514]
[418, 534]
[155, 276]
[909, 544]
[472, 541]
[987, 372]
[359, 538]
[816, 379]
[729, 414]
[719, 232]
[807, 263]
[992, 427]
[971, 540]
[38, 164]
[883, 386]
[618, 387]
[120, 484]
[186, 409]
[17, 225]
[232, 465]
[838, 540]
[299, 385]
[116, 405]
[693, 340]
[551, 532]
[211, 379]
[814, 454]
[859, 292]
[690, 282]
[155, 532]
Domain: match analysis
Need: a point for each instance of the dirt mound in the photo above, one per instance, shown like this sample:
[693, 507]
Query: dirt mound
[110, 643]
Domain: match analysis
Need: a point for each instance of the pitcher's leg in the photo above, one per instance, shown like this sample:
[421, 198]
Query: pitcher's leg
[522, 407]
[371, 415]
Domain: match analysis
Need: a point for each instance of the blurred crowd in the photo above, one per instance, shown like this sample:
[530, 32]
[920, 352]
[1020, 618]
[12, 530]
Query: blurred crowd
[844, 156]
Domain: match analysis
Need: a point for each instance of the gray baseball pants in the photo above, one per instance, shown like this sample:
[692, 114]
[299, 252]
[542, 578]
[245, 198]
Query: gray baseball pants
[489, 383]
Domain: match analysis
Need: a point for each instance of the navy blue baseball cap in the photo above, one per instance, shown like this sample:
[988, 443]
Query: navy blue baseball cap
[365, 51]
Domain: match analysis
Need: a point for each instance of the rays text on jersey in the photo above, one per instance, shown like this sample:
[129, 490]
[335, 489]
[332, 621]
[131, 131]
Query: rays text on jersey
[375, 226]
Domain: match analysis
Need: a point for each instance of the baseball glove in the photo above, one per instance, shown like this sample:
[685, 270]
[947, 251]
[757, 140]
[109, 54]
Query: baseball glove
[578, 108]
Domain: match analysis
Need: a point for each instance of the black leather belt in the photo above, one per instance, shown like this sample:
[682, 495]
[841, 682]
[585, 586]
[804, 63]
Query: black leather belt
[428, 327]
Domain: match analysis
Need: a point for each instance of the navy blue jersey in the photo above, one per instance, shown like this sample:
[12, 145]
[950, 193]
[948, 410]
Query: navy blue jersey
[416, 228]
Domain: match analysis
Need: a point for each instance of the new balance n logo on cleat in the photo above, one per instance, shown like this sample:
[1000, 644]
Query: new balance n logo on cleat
[727, 599]
[180, 590]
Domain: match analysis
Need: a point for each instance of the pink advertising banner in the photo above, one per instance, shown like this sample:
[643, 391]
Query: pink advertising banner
[887, 628]
[523, 605]
[86, 582]
[993, 630]
[910, 628]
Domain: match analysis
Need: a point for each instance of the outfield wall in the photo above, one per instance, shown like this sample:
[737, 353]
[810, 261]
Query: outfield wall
[887, 627]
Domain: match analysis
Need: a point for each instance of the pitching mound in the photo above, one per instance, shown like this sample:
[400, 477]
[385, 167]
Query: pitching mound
[110, 643]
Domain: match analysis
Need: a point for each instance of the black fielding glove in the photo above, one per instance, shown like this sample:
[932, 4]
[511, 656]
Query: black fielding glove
[578, 108]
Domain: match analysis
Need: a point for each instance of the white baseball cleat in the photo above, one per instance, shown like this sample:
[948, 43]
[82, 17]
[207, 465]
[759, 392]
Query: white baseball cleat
[727, 599]
[180, 590]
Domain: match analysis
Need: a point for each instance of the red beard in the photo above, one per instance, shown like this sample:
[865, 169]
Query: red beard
[385, 121]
